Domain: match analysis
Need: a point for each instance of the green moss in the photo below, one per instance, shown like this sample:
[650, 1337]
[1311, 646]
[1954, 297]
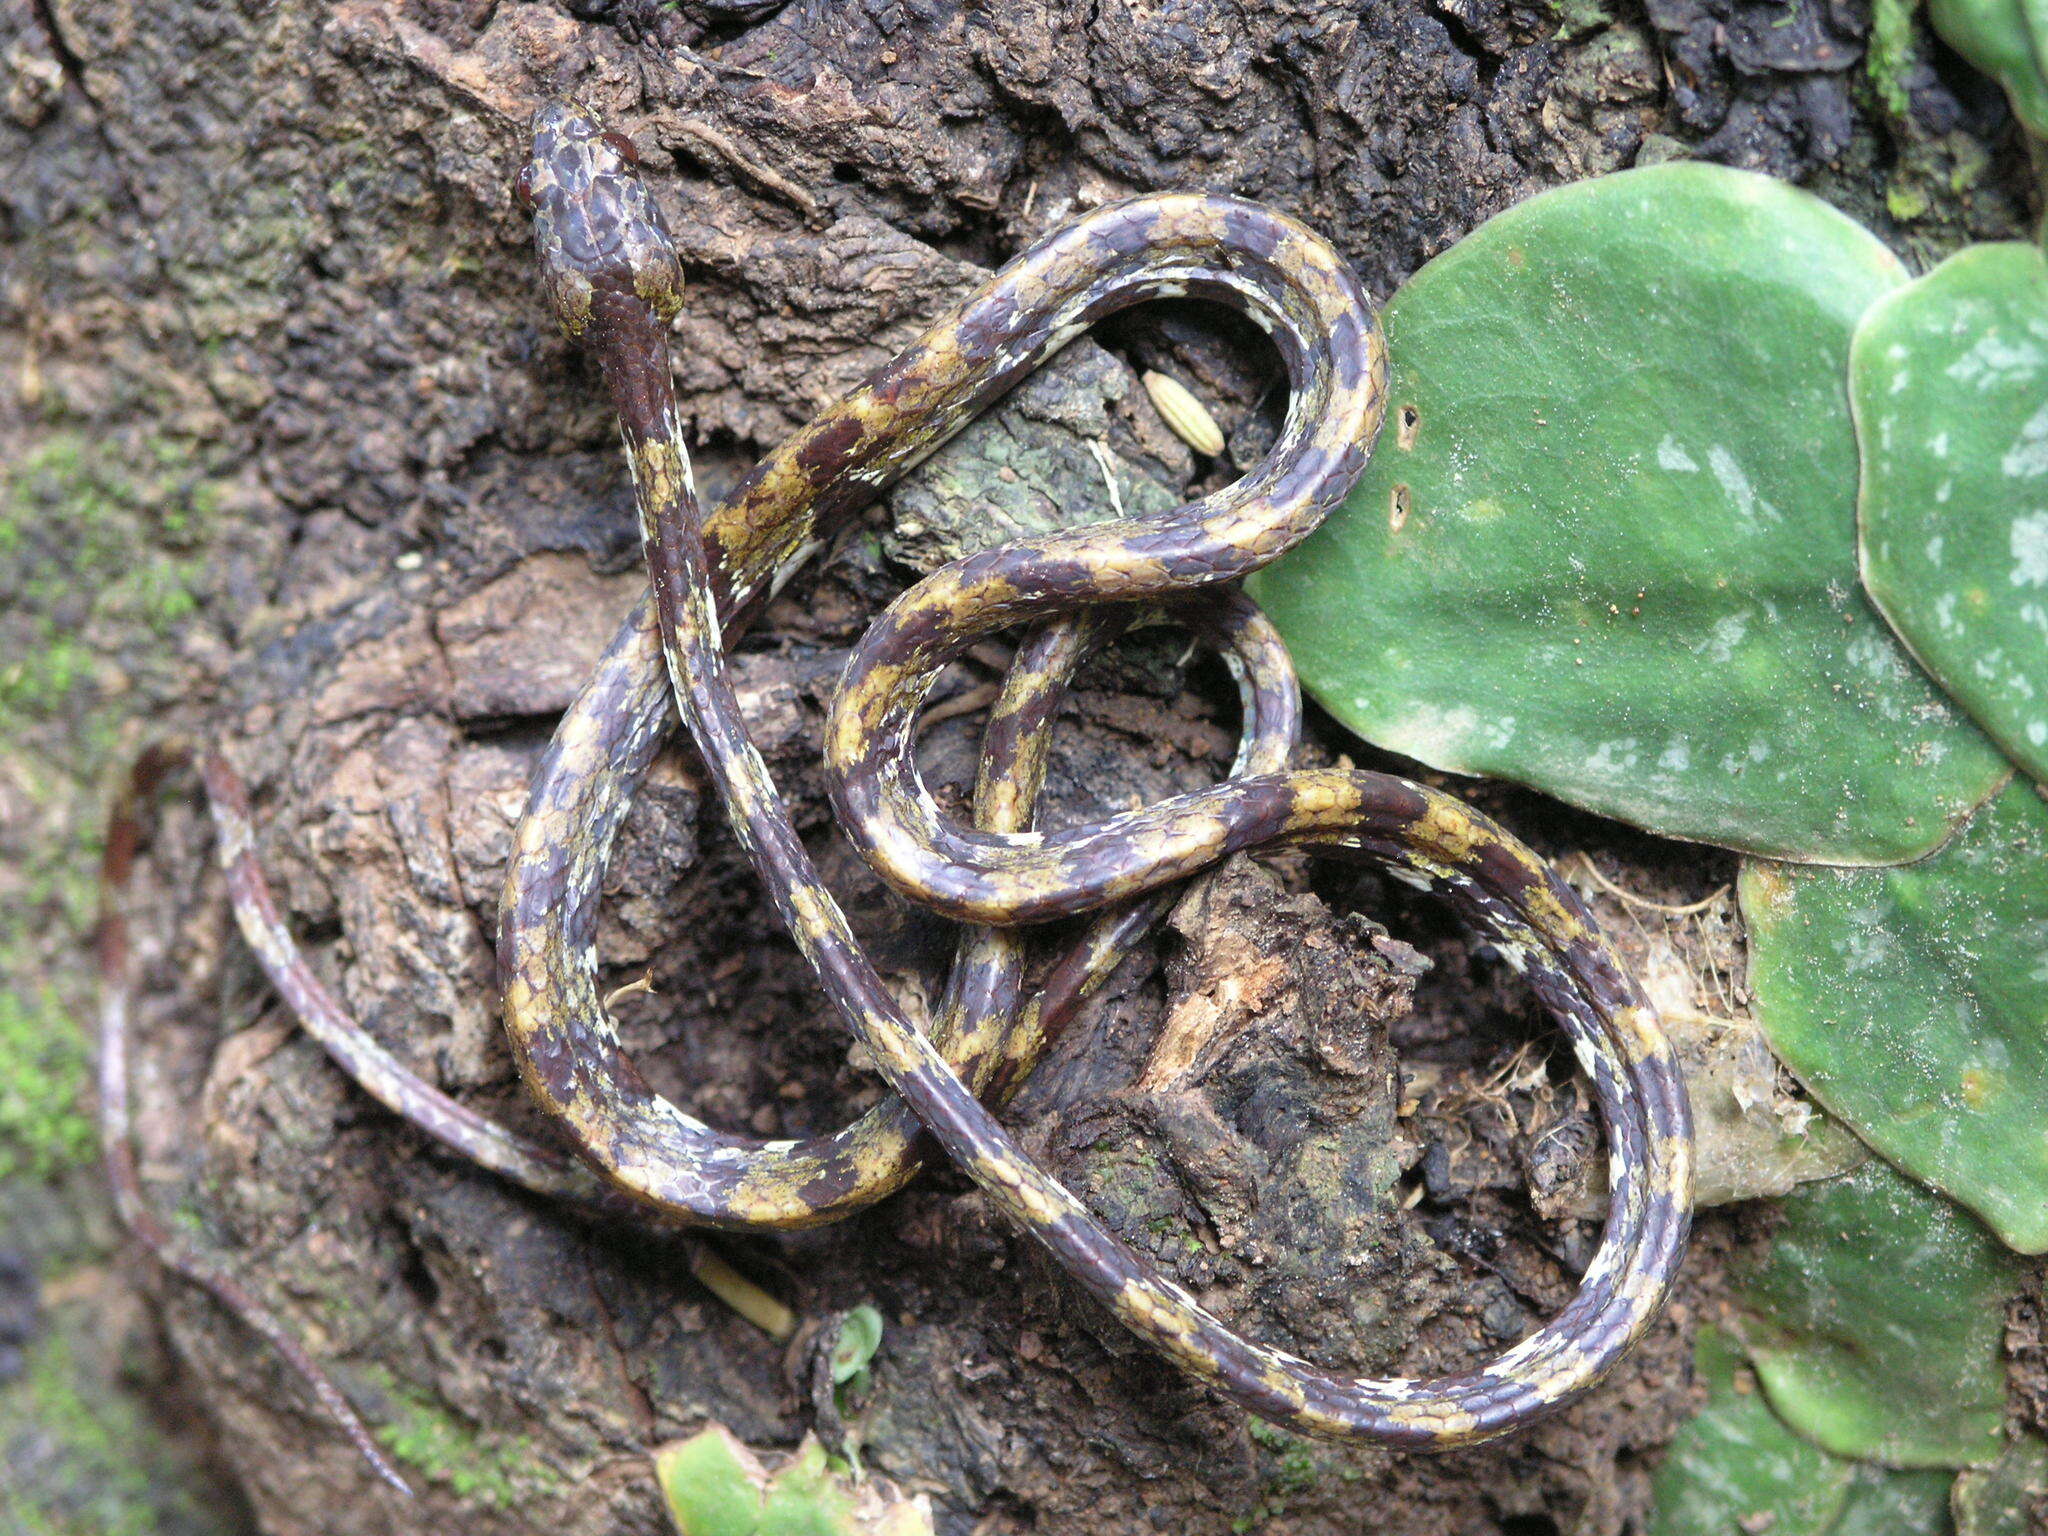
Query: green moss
[99, 559]
[1575, 18]
[252, 265]
[494, 1468]
[1891, 53]
[88, 541]
[1293, 1465]
[44, 1127]
[1906, 203]
[78, 1460]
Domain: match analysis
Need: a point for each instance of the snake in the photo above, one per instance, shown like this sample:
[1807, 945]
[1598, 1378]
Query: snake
[613, 278]
[128, 824]
[611, 273]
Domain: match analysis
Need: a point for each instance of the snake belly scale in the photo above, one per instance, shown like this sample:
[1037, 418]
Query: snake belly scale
[612, 276]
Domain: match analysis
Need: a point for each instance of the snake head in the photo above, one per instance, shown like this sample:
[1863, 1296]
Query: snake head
[604, 250]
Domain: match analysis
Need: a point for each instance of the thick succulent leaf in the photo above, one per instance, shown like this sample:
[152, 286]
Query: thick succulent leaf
[2008, 40]
[1606, 543]
[1949, 378]
[2007, 1498]
[1886, 1503]
[1913, 1003]
[713, 1485]
[860, 1335]
[1736, 1467]
[1876, 1321]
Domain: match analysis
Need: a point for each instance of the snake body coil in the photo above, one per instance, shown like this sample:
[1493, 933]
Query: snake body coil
[612, 276]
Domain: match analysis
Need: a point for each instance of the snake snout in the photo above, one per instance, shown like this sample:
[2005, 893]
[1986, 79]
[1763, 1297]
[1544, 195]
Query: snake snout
[595, 223]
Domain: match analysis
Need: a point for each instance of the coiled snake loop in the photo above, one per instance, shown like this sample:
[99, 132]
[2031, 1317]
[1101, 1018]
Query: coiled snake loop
[614, 282]
[612, 276]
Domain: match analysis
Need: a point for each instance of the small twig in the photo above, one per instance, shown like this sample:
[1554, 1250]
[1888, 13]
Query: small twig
[965, 702]
[1511, 1068]
[1713, 1021]
[786, 571]
[766, 176]
[643, 983]
[1108, 468]
[1644, 902]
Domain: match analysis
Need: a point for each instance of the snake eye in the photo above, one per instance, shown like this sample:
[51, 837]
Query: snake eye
[522, 187]
[623, 145]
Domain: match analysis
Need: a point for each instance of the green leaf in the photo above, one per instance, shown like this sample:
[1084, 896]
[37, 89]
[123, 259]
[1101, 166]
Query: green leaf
[2007, 1498]
[715, 1486]
[1913, 1004]
[2008, 40]
[1949, 378]
[860, 1335]
[806, 1499]
[1736, 1467]
[712, 1484]
[1876, 1322]
[1884, 1503]
[1606, 545]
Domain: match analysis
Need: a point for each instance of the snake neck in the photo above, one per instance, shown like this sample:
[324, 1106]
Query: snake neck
[631, 348]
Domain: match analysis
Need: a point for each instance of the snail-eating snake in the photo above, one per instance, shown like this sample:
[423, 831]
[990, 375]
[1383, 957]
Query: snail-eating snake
[612, 276]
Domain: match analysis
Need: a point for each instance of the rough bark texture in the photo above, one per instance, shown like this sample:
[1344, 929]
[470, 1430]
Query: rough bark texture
[295, 460]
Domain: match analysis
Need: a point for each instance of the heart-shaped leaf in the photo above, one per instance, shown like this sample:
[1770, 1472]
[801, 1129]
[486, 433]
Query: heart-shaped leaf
[1876, 1322]
[1736, 1467]
[1949, 378]
[2008, 40]
[1606, 545]
[2007, 1498]
[1911, 1002]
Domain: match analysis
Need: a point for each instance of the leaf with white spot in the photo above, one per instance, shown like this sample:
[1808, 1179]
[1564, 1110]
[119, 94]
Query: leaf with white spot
[1876, 1322]
[1615, 505]
[1736, 1467]
[1913, 1003]
[1949, 378]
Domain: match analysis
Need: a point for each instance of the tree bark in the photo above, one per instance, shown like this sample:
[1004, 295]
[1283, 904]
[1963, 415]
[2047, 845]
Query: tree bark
[298, 464]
